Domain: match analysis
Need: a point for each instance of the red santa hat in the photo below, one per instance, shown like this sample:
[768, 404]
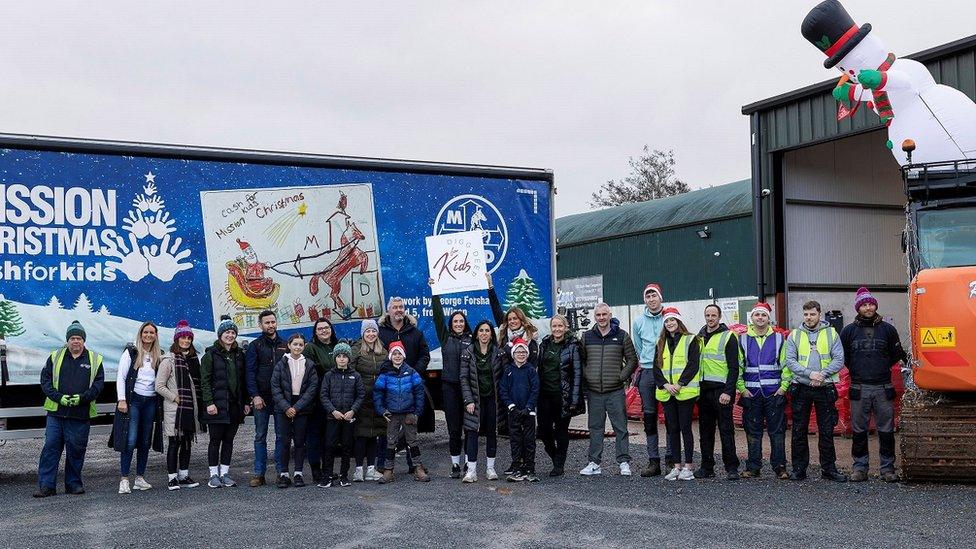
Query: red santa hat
[761, 307]
[519, 342]
[397, 346]
[671, 312]
[244, 245]
[653, 287]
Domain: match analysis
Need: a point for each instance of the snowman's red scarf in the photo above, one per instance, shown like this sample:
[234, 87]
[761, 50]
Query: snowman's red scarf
[881, 102]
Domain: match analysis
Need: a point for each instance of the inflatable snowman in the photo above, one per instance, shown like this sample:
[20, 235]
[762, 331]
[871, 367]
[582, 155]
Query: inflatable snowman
[939, 119]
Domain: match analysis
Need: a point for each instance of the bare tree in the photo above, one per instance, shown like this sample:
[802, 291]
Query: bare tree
[651, 177]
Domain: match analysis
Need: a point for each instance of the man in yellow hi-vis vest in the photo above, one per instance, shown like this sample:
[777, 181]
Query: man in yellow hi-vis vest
[815, 356]
[71, 380]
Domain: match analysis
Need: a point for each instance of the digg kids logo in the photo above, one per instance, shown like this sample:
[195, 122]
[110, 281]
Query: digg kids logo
[81, 222]
[470, 212]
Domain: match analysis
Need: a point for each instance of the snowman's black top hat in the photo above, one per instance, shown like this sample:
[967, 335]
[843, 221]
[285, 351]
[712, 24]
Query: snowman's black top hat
[829, 27]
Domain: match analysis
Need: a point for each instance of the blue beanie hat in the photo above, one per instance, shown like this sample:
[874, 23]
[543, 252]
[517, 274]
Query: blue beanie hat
[226, 324]
[342, 349]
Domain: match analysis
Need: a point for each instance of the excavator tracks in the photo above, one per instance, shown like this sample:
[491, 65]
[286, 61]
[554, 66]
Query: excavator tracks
[938, 437]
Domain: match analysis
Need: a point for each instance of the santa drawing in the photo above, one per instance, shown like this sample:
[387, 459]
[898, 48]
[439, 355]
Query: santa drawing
[247, 282]
[939, 119]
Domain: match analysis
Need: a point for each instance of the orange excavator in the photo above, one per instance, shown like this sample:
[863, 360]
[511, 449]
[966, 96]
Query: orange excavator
[938, 417]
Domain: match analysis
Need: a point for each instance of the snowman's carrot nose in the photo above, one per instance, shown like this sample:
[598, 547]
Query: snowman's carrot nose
[844, 78]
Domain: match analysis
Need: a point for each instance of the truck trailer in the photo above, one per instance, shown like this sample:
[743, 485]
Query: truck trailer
[116, 233]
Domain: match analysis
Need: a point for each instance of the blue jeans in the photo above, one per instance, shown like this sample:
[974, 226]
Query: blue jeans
[759, 412]
[60, 434]
[261, 420]
[142, 414]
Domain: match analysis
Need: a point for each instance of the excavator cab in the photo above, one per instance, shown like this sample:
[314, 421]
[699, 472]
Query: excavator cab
[938, 421]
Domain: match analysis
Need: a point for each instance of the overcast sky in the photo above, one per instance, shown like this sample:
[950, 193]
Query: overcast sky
[576, 87]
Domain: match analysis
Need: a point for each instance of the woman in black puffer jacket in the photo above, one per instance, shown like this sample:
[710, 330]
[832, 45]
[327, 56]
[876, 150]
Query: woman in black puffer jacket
[560, 396]
[481, 368]
[455, 338]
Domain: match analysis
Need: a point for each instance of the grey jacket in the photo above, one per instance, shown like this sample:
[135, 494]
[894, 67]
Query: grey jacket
[801, 374]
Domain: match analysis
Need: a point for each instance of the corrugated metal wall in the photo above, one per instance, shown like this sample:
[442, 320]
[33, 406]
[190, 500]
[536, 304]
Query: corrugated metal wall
[843, 214]
[678, 259]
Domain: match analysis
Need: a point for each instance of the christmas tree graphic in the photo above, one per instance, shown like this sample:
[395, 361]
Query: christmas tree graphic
[83, 304]
[11, 324]
[524, 294]
[55, 303]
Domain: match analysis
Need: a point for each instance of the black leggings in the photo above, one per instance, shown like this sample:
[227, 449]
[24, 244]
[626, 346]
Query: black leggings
[365, 450]
[677, 419]
[293, 431]
[454, 416]
[488, 424]
[178, 452]
[221, 446]
[553, 428]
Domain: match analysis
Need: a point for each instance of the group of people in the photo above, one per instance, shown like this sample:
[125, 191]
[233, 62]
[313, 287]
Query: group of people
[363, 400]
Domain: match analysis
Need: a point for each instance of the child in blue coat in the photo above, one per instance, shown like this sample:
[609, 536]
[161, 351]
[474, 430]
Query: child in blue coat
[519, 391]
[399, 397]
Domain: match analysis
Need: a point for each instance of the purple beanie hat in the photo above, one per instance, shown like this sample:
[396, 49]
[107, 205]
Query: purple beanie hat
[864, 296]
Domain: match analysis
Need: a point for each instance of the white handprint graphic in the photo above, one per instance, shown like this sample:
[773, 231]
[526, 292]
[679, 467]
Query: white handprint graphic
[131, 263]
[148, 218]
[136, 224]
[161, 225]
[165, 264]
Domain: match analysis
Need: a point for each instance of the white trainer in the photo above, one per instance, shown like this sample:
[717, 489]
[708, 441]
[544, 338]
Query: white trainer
[372, 474]
[124, 486]
[673, 475]
[471, 475]
[141, 484]
[625, 469]
[686, 474]
[358, 476]
[591, 469]
[490, 474]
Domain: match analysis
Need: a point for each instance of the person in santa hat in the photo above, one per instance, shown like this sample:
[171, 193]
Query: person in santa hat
[763, 381]
[519, 392]
[256, 283]
[399, 397]
[676, 375]
[871, 347]
[646, 332]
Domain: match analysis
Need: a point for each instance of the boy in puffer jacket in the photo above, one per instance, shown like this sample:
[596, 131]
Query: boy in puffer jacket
[399, 397]
[519, 391]
[342, 394]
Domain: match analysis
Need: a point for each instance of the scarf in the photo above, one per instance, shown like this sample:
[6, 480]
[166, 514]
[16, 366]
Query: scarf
[513, 334]
[185, 424]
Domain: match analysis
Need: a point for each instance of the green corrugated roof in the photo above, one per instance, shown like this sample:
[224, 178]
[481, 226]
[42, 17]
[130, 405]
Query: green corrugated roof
[722, 201]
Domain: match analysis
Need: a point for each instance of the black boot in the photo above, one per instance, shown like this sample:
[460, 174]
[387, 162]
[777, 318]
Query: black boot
[653, 469]
[558, 465]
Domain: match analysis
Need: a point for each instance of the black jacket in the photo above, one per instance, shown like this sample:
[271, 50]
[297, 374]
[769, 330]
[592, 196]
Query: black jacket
[570, 374]
[731, 358]
[216, 366]
[418, 353]
[471, 387]
[261, 357]
[342, 390]
[871, 347]
[281, 387]
[73, 379]
[609, 360]
[452, 343]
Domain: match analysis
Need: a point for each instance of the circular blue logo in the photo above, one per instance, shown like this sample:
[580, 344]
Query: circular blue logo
[470, 212]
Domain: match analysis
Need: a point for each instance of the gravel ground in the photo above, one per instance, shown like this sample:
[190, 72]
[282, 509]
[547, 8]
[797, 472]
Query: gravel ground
[572, 511]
